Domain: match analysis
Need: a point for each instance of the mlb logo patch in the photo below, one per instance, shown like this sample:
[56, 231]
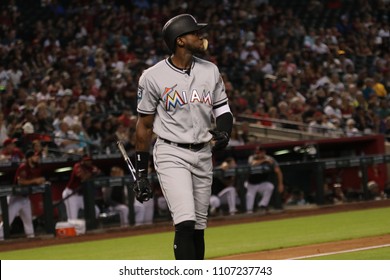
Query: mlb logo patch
[140, 93]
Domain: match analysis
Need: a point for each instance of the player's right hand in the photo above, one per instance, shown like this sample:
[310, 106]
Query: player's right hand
[220, 138]
[143, 190]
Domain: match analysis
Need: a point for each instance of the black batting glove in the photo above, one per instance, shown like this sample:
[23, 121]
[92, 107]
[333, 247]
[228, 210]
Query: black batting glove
[142, 188]
[221, 139]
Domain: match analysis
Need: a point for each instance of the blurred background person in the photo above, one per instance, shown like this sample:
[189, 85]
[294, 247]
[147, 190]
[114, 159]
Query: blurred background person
[28, 173]
[260, 180]
[10, 152]
[65, 139]
[3, 128]
[223, 190]
[115, 196]
[72, 195]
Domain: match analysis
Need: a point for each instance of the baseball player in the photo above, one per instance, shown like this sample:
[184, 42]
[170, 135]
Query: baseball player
[115, 196]
[73, 192]
[223, 191]
[259, 181]
[177, 99]
[28, 173]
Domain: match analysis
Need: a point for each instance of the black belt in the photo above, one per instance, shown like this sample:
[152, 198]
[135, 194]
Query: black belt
[191, 147]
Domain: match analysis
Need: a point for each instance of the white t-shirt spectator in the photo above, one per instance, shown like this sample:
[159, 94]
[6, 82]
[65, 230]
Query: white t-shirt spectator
[320, 48]
[15, 76]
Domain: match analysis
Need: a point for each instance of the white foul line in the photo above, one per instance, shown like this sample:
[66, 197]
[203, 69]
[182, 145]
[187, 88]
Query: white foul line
[341, 252]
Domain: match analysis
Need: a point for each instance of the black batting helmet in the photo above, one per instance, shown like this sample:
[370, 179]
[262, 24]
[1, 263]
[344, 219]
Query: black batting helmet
[179, 25]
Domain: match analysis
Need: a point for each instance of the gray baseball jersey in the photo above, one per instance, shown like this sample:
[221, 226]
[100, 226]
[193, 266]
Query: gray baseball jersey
[183, 105]
[183, 102]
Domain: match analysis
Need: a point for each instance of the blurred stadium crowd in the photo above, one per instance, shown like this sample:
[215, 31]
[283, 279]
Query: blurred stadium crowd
[69, 68]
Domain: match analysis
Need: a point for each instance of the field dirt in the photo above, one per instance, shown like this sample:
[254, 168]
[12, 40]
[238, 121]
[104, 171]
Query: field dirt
[286, 253]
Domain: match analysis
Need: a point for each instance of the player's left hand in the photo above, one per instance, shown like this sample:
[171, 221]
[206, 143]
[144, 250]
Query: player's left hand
[143, 190]
[221, 139]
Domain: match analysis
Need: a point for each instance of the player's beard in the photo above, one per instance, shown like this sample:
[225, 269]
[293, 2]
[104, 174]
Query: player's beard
[197, 50]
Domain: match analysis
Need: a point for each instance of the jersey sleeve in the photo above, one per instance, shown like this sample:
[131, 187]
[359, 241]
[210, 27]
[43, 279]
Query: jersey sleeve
[147, 96]
[220, 96]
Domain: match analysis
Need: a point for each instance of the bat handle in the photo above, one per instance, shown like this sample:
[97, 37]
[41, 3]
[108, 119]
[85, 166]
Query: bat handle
[132, 170]
[121, 148]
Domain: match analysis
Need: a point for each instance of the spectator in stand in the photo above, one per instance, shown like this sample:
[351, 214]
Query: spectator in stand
[44, 120]
[335, 84]
[122, 134]
[82, 137]
[66, 140]
[347, 67]
[15, 74]
[95, 134]
[82, 171]
[319, 47]
[361, 101]
[126, 118]
[27, 174]
[288, 66]
[39, 148]
[317, 125]
[350, 129]
[108, 139]
[347, 106]
[3, 128]
[368, 89]
[358, 47]
[383, 110]
[260, 180]
[249, 51]
[10, 152]
[291, 92]
[71, 116]
[332, 109]
[379, 87]
[363, 121]
[261, 115]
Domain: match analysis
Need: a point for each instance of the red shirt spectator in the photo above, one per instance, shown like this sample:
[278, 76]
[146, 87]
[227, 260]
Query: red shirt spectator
[10, 151]
[125, 118]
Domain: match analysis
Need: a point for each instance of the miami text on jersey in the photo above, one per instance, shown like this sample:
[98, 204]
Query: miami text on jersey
[172, 98]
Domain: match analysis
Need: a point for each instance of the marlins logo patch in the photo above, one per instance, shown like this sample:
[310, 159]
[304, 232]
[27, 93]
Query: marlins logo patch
[172, 98]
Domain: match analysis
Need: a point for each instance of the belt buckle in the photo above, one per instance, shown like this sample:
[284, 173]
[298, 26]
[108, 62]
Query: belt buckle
[190, 146]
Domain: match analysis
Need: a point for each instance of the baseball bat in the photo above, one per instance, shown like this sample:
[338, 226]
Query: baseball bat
[127, 159]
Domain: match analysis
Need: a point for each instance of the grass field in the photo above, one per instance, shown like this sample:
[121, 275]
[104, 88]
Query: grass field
[371, 254]
[229, 240]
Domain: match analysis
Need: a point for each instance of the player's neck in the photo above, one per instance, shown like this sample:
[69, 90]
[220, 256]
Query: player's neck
[180, 63]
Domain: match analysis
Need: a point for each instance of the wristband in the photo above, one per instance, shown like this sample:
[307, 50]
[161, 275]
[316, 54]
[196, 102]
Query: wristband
[141, 163]
[224, 123]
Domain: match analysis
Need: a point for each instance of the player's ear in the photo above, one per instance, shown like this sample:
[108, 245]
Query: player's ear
[179, 42]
